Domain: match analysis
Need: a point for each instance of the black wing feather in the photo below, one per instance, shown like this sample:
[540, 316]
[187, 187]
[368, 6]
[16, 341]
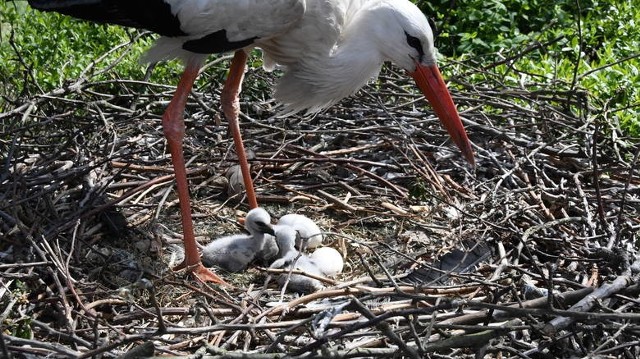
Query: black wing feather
[153, 15]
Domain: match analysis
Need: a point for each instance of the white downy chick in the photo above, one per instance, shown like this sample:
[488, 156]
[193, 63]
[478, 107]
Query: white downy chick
[291, 258]
[234, 253]
[328, 260]
[309, 237]
[310, 234]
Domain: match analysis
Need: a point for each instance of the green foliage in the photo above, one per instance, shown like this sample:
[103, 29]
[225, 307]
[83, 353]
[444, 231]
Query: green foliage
[486, 26]
[585, 44]
[14, 301]
[41, 51]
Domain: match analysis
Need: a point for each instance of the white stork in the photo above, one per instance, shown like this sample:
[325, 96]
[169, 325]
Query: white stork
[327, 49]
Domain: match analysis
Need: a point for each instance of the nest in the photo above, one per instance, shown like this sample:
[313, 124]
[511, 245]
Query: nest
[533, 253]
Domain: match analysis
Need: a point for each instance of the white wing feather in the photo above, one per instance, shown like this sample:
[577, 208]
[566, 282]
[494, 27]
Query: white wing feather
[324, 57]
[242, 20]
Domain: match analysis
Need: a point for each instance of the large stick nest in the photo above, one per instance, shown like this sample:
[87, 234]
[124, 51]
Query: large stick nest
[530, 254]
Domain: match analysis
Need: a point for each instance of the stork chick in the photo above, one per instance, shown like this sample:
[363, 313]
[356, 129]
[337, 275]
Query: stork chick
[310, 235]
[293, 259]
[234, 253]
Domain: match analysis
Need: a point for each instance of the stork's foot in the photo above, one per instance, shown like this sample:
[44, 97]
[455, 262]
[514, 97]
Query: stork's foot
[202, 273]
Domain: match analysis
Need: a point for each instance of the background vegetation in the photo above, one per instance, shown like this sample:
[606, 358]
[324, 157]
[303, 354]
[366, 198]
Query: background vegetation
[550, 90]
[586, 45]
[569, 44]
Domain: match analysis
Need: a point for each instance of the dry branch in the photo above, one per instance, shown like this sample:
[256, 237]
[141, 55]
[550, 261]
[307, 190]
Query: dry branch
[89, 222]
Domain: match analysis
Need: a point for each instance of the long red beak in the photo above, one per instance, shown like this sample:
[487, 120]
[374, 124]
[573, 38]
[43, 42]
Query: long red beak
[432, 85]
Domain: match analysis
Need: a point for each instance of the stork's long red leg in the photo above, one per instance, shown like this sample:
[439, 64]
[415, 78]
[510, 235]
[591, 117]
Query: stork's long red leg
[231, 108]
[173, 127]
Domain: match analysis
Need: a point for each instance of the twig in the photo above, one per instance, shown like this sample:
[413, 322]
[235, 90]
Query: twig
[606, 290]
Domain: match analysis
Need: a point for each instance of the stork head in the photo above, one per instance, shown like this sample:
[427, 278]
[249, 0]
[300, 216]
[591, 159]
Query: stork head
[404, 37]
[258, 221]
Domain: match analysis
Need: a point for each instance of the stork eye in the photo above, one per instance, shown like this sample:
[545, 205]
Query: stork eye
[416, 44]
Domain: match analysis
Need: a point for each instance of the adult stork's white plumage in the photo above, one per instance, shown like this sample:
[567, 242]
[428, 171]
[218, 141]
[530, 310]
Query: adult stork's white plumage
[328, 49]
